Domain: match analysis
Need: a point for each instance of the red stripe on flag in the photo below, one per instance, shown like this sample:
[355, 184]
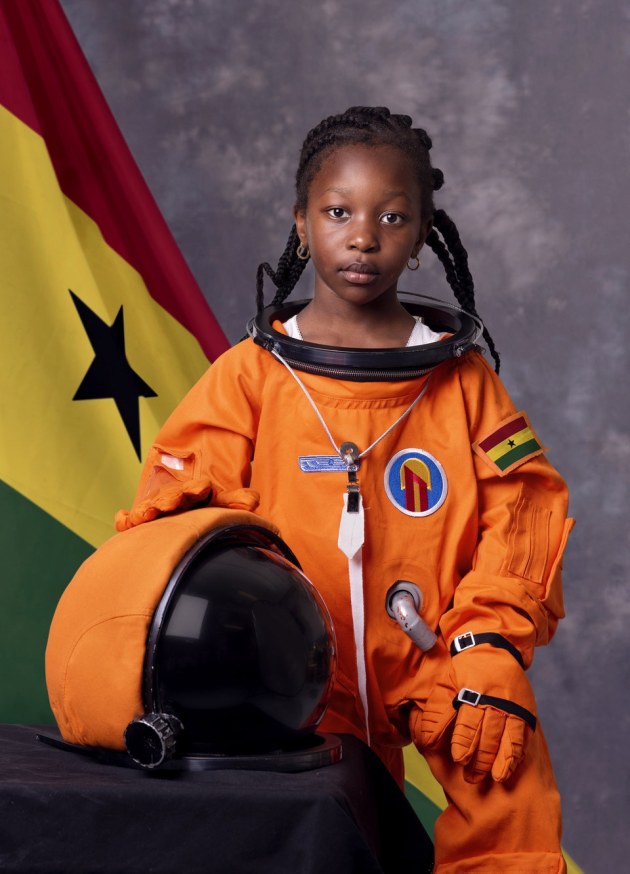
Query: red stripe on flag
[48, 84]
[503, 433]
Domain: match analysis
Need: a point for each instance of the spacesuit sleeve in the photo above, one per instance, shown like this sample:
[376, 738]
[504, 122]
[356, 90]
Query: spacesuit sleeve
[202, 454]
[514, 587]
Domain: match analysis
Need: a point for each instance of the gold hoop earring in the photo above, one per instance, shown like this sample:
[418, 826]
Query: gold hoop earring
[417, 260]
[302, 252]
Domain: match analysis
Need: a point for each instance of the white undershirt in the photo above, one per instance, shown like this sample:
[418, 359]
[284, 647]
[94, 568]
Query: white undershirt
[420, 335]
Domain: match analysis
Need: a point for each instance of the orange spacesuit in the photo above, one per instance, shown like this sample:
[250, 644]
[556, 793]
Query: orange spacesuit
[446, 506]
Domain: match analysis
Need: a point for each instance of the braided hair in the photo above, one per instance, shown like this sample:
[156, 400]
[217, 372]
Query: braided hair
[376, 126]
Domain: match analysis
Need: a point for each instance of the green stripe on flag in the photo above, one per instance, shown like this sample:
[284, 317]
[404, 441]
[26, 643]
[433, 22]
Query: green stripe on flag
[39, 558]
[426, 811]
[517, 453]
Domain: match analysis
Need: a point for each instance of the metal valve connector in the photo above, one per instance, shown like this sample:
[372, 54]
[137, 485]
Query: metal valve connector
[403, 602]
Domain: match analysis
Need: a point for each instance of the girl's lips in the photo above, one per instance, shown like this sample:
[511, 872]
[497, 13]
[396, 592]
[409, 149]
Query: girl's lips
[359, 273]
[358, 278]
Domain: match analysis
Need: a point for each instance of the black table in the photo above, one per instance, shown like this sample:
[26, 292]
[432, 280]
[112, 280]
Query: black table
[64, 812]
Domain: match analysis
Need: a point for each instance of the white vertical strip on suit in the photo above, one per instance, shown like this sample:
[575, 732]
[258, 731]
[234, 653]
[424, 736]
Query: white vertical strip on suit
[351, 535]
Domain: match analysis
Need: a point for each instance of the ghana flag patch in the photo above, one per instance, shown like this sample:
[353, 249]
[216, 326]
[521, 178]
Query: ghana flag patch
[512, 442]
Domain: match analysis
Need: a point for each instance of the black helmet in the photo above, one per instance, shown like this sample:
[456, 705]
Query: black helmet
[240, 654]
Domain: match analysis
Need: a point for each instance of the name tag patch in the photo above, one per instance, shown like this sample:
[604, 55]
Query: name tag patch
[322, 464]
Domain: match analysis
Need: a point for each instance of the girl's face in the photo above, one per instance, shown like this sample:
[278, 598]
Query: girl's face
[362, 223]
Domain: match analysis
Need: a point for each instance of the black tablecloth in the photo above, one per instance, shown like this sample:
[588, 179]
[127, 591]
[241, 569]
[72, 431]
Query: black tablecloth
[64, 812]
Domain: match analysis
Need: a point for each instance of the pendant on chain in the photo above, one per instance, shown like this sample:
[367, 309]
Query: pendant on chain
[350, 453]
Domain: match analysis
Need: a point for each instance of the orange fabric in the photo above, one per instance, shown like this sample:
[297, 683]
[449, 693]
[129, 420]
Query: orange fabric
[96, 645]
[487, 559]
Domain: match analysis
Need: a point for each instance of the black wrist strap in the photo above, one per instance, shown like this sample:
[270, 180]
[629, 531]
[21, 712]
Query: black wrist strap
[469, 639]
[469, 696]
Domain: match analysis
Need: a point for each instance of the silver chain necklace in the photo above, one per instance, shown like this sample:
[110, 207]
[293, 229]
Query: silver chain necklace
[348, 450]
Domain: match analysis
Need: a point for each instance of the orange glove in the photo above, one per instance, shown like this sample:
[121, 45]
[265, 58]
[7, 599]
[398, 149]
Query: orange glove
[177, 497]
[487, 704]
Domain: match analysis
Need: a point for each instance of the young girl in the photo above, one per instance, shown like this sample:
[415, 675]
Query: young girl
[386, 449]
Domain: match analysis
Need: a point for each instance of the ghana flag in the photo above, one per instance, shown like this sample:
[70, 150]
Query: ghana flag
[511, 443]
[103, 330]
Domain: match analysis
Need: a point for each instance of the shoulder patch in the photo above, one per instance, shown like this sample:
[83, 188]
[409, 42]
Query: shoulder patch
[510, 444]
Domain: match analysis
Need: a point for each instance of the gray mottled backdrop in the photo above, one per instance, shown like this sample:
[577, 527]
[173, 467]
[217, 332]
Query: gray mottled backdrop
[528, 106]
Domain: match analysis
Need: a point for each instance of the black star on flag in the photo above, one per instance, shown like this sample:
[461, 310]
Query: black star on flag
[110, 375]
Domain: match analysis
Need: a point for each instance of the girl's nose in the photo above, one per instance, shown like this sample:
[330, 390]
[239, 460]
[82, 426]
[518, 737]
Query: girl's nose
[363, 237]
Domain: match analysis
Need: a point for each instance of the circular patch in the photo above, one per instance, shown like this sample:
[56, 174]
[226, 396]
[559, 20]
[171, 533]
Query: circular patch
[415, 482]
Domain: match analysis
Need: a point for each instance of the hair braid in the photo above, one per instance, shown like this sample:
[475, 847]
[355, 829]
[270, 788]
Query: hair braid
[434, 242]
[377, 126]
[463, 285]
[445, 225]
[285, 277]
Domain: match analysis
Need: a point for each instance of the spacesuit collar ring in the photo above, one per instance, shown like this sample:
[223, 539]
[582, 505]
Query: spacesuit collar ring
[462, 330]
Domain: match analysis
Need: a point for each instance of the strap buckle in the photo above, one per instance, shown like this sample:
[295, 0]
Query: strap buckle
[464, 641]
[468, 696]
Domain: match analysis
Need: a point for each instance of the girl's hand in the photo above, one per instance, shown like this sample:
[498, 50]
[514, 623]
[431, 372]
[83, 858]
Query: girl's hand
[178, 497]
[175, 497]
[486, 707]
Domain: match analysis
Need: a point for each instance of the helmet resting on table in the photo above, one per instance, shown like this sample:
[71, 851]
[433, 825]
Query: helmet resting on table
[195, 633]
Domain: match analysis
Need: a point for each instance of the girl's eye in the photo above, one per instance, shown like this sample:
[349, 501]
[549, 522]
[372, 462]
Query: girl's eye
[391, 218]
[336, 212]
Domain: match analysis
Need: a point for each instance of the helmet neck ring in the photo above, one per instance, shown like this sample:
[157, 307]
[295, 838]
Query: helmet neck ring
[461, 330]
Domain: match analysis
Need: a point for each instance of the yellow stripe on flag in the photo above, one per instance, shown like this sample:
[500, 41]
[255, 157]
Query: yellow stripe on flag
[511, 443]
[72, 458]
[418, 774]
